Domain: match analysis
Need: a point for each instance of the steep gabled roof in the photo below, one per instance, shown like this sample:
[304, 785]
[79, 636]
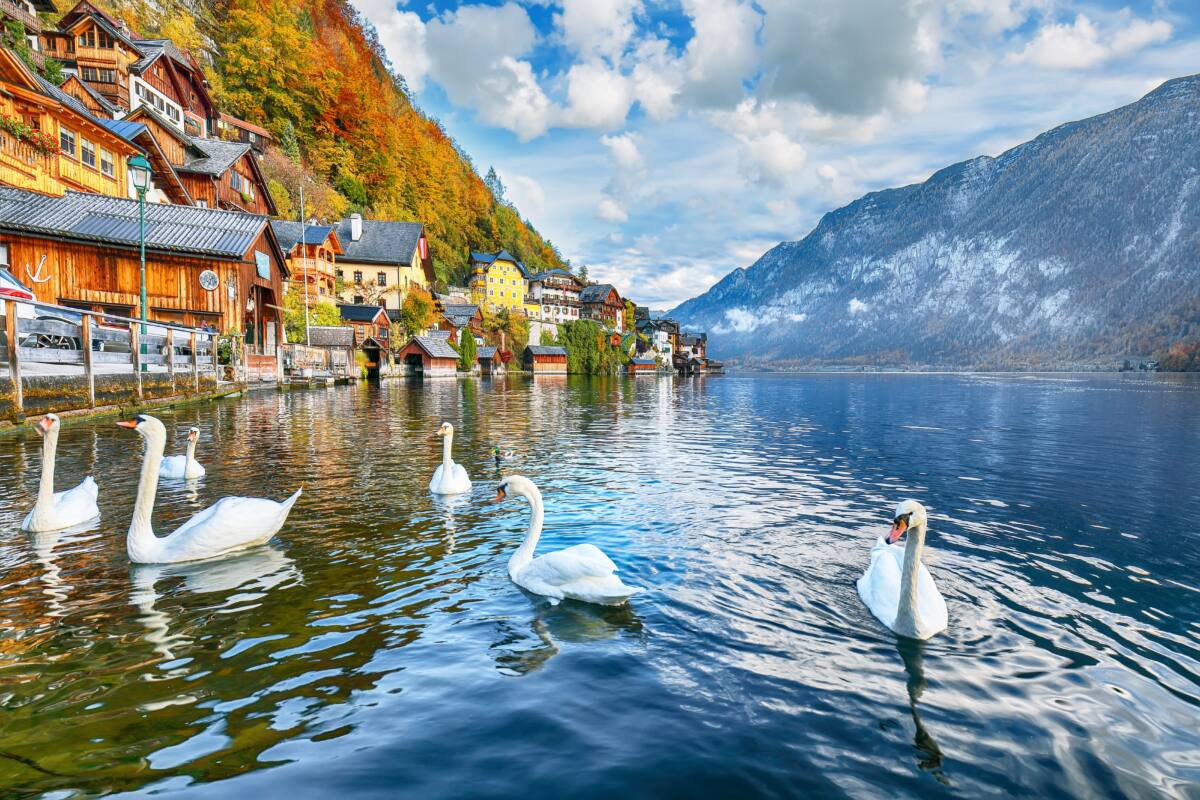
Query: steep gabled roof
[382, 241]
[107, 105]
[331, 335]
[289, 234]
[503, 255]
[556, 273]
[106, 21]
[218, 156]
[546, 350]
[249, 126]
[460, 315]
[95, 218]
[360, 312]
[596, 293]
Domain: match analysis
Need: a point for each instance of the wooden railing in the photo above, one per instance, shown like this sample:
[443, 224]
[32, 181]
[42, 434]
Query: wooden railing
[23, 156]
[21, 14]
[47, 342]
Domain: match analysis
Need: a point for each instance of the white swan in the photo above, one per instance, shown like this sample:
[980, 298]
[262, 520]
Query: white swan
[184, 466]
[896, 586]
[449, 478]
[232, 523]
[52, 510]
[581, 572]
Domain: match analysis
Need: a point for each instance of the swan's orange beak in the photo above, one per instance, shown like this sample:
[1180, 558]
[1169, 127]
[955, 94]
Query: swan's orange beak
[501, 495]
[898, 529]
[43, 425]
[128, 423]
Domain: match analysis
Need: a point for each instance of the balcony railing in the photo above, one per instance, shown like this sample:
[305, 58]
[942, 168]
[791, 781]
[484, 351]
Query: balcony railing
[21, 14]
[20, 154]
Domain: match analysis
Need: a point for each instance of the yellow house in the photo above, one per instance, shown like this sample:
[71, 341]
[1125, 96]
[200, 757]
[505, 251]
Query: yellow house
[382, 262]
[50, 143]
[499, 280]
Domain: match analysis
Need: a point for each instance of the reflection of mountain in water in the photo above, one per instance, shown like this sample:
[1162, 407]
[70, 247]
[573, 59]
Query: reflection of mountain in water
[521, 651]
[930, 759]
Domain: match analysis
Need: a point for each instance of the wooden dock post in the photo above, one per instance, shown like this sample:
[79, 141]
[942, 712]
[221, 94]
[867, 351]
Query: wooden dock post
[85, 341]
[196, 362]
[170, 348]
[135, 357]
[14, 355]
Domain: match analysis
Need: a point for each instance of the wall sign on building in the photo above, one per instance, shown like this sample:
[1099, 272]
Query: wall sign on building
[209, 280]
[263, 262]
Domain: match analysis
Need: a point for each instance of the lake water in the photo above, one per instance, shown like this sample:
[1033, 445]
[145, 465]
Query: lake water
[378, 649]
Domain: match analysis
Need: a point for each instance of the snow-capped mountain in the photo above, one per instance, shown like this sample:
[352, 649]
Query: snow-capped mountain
[1082, 244]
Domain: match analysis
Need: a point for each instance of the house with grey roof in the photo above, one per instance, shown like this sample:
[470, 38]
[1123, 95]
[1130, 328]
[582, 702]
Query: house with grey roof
[312, 252]
[205, 267]
[602, 303]
[383, 261]
[428, 356]
[545, 359]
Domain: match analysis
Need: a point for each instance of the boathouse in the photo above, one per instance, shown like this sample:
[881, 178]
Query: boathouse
[489, 360]
[642, 366]
[542, 359]
[428, 355]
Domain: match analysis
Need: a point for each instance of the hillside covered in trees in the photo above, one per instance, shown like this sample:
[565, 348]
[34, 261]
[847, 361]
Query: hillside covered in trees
[313, 74]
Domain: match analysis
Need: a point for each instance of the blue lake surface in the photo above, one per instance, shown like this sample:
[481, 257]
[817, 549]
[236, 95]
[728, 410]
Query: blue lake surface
[377, 647]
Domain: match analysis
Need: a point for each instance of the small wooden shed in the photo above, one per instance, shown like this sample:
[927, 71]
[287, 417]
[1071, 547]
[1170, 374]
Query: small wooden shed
[428, 355]
[542, 359]
[642, 366]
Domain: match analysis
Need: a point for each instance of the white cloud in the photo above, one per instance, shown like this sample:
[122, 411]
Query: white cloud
[402, 34]
[610, 210]
[771, 158]
[525, 193]
[856, 307]
[597, 97]
[597, 27]
[657, 78]
[1081, 44]
[722, 53]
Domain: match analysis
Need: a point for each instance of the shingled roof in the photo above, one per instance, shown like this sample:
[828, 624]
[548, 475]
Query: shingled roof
[436, 348]
[360, 313]
[106, 104]
[382, 241]
[460, 315]
[596, 293]
[219, 156]
[546, 350]
[289, 233]
[95, 218]
[331, 335]
[503, 255]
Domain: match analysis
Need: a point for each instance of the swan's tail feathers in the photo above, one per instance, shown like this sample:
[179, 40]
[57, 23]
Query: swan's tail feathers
[287, 504]
[89, 486]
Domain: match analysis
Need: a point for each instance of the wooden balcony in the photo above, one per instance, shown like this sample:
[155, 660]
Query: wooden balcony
[14, 11]
[23, 167]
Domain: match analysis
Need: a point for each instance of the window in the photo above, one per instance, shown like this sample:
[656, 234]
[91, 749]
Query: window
[381, 279]
[66, 141]
[87, 153]
[358, 277]
[340, 274]
[87, 39]
[202, 203]
[106, 163]
[358, 298]
[106, 41]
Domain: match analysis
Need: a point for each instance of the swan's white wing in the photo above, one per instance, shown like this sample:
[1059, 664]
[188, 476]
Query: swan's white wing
[172, 467]
[930, 604]
[879, 586]
[461, 479]
[564, 566]
[194, 469]
[435, 482]
[77, 505]
[228, 524]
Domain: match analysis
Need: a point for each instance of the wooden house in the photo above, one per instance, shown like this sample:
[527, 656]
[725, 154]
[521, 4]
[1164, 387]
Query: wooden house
[460, 317]
[545, 359]
[488, 358]
[639, 366]
[81, 250]
[602, 303]
[50, 143]
[428, 355]
[382, 261]
[171, 80]
[25, 14]
[369, 322]
[98, 47]
[312, 251]
[232, 129]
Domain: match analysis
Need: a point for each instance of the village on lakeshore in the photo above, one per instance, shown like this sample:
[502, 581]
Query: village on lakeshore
[142, 254]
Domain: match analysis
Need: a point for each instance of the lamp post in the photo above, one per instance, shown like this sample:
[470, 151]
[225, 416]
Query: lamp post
[139, 172]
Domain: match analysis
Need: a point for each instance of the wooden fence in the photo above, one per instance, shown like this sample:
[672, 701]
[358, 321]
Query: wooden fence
[62, 359]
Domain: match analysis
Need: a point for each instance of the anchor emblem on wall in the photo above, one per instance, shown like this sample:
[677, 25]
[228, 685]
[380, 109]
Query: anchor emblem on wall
[37, 277]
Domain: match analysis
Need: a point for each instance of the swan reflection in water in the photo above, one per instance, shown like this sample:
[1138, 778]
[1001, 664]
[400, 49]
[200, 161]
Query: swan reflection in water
[521, 651]
[912, 651]
[44, 544]
[246, 577]
[448, 505]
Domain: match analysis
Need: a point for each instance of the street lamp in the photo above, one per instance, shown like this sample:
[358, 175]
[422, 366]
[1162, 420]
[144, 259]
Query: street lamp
[139, 172]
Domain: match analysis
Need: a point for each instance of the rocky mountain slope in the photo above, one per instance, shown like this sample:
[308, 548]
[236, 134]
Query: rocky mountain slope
[1079, 246]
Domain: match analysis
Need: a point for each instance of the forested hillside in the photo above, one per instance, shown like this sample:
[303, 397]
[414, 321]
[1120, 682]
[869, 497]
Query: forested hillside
[312, 73]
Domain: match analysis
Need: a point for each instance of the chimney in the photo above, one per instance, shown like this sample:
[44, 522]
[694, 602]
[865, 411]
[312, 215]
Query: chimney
[355, 227]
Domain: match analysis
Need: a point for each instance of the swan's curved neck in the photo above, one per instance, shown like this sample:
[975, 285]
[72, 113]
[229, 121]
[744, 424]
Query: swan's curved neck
[191, 451]
[447, 443]
[45, 496]
[141, 534]
[524, 553]
[908, 614]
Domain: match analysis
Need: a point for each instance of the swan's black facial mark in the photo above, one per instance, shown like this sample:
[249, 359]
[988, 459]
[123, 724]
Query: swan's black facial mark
[501, 494]
[899, 526]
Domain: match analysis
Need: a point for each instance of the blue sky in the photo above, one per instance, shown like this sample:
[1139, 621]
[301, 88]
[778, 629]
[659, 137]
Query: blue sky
[665, 142]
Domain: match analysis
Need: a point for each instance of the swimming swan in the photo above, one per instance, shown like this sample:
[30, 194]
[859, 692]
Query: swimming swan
[232, 523]
[184, 466]
[581, 572]
[450, 478]
[896, 586]
[52, 510]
